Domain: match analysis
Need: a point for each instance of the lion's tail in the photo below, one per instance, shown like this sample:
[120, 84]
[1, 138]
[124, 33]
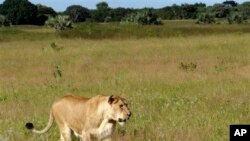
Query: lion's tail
[31, 127]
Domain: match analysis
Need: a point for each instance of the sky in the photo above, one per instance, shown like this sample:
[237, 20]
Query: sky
[61, 5]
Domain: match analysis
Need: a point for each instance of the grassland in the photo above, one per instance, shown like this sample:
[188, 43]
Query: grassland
[189, 84]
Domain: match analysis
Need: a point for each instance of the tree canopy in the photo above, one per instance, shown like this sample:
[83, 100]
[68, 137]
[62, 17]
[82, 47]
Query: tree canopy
[24, 12]
[43, 13]
[102, 12]
[19, 11]
[77, 13]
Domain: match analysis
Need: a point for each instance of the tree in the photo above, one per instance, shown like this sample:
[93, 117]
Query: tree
[245, 8]
[237, 18]
[221, 10]
[102, 6]
[184, 11]
[4, 21]
[45, 10]
[118, 14]
[176, 11]
[168, 12]
[77, 13]
[230, 3]
[144, 17]
[189, 11]
[205, 18]
[19, 11]
[43, 13]
[102, 12]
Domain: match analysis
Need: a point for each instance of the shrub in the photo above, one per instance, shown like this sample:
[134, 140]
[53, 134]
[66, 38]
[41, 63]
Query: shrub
[145, 17]
[19, 11]
[43, 13]
[102, 12]
[4, 21]
[237, 18]
[77, 13]
[108, 19]
[205, 18]
[60, 22]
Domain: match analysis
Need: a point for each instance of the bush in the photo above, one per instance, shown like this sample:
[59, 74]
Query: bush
[77, 13]
[145, 17]
[4, 21]
[19, 11]
[102, 12]
[60, 22]
[205, 18]
[237, 18]
[108, 19]
[43, 13]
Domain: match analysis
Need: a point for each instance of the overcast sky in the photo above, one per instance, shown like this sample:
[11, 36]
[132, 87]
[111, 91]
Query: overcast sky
[61, 5]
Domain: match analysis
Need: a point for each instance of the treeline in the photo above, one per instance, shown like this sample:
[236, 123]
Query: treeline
[24, 12]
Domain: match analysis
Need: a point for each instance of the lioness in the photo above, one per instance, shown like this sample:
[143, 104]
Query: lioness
[88, 118]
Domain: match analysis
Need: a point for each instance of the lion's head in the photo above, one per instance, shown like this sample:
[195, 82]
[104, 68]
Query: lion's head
[119, 109]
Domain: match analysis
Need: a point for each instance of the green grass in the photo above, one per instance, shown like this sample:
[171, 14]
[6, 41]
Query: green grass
[169, 29]
[121, 31]
[169, 102]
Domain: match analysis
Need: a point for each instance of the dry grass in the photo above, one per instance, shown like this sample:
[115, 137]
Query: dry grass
[168, 102]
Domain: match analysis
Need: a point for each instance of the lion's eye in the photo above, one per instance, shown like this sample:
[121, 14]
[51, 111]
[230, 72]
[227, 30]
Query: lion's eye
[121, 106]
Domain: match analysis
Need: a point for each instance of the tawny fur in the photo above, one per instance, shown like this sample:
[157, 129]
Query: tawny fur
[88, 118]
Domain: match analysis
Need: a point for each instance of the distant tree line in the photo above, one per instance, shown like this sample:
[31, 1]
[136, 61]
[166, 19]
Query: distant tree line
[19, 12]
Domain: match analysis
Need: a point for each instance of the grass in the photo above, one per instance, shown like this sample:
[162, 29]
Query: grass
[95, 31]
[169, 103]
[169, 29]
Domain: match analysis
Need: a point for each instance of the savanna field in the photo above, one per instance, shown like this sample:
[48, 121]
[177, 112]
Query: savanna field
[184, 82]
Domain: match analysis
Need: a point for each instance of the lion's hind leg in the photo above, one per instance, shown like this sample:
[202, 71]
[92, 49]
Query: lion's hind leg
[65, 134]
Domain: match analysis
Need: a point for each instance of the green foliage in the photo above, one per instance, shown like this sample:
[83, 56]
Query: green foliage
[102, 6]
[221, 10]
[60, 22]
[24, 12]
[77, 13]
[183, 11]
[4, 21]
[43, 13]
[230, 3]
[108, 19]
[45, 10]
[144, 17]
[205, 18]
[189, 11]
[245, 8]
[118, 14]
[132, 31]
[237, 18]
[19, 11]
[102, 12]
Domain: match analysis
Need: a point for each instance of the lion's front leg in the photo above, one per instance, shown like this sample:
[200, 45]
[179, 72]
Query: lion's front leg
[104, 131]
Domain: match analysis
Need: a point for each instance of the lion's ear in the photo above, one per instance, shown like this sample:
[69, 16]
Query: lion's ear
[111, 99]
